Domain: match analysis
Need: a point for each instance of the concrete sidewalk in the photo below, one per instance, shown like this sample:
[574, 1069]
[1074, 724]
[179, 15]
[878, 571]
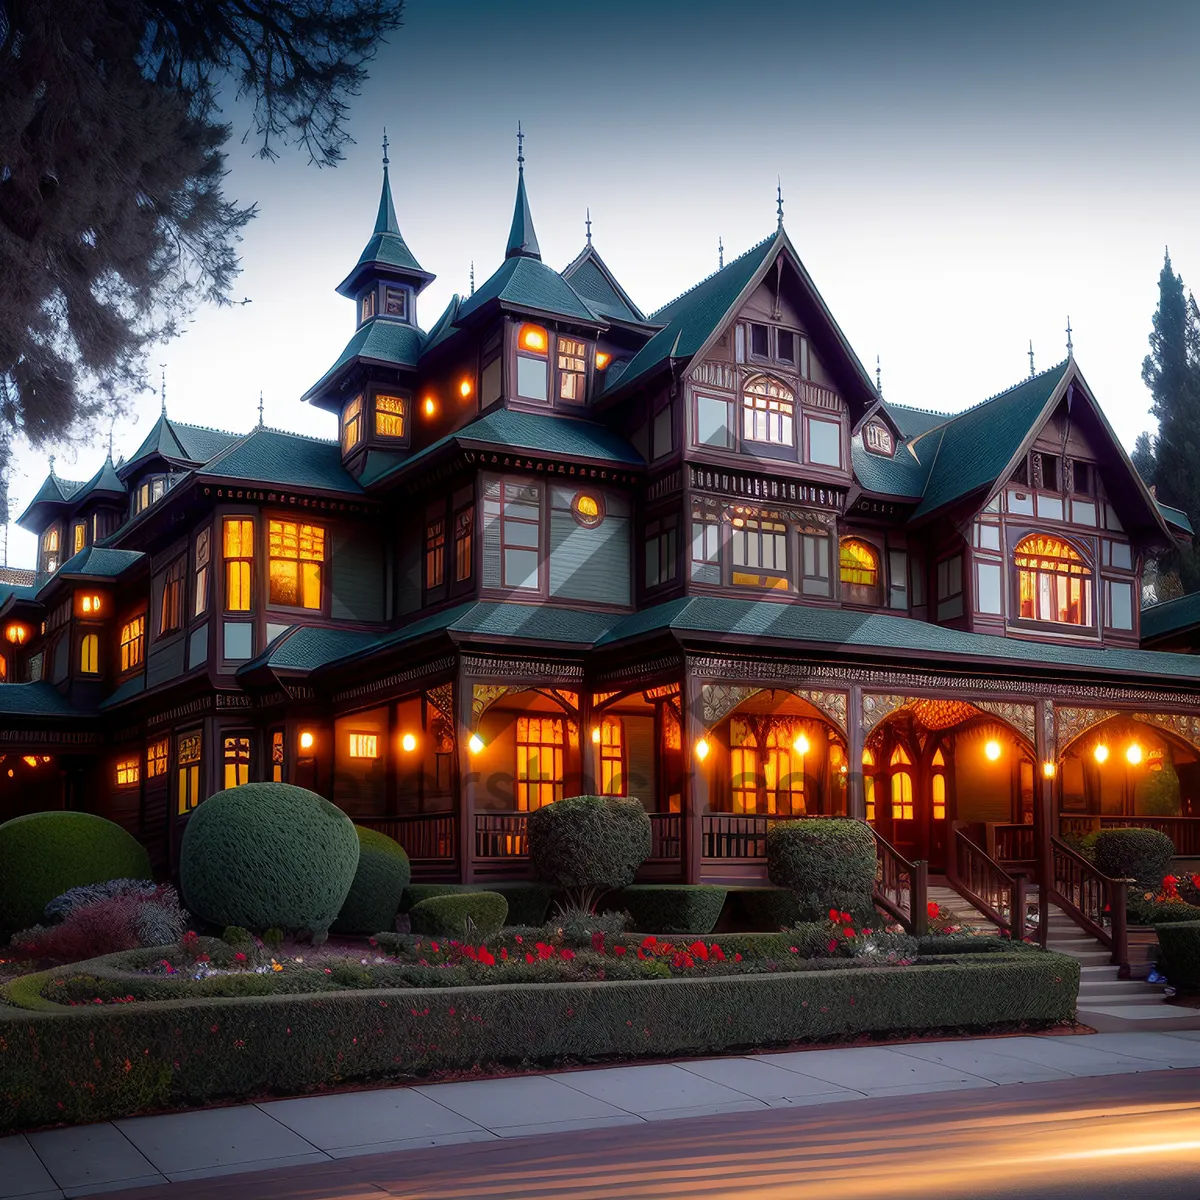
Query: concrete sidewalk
[110, 1156]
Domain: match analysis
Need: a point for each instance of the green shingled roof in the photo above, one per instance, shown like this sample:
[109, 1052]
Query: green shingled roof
[38, 699]
[386, 247]
[178, 443]
[272, 456]
[130, 688]
[53, 492]
[1172, 616]
[96, 562]
[1175, 516]
[380, 340]
[589, 275]
[846, 629]
[912, 422]
[529, 283]
[978, 444]
[904, 474]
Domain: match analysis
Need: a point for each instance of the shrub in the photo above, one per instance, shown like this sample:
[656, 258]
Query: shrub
[588, 844]
[61, 906]
[466, 914]
[765, 908]
[527, 902]
[579, 926]
[379, 882]
[1140, 854]
[1180, 945]
[1157, 912]
[268, 854]
[237, 937]
[827, 863]
[43, 855]
[670, 907]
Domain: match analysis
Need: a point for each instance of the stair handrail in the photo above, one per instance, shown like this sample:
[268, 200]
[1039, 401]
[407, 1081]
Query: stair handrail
[1015, 923]
[1086, 882]
[892, 865]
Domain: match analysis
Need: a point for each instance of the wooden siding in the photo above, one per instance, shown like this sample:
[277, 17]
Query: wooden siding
[357, 574]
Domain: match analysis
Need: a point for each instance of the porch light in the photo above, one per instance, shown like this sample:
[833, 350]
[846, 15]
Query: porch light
[1133, 755]
[475, 743]
[430, 406]
[307, 740]
[602, 360]
[800, 745]
[464, 388]
[1100, 754]
[992, 750]
[702, 749]
[16, 633]
[596, 734]
[408, 743]
[1048, 769]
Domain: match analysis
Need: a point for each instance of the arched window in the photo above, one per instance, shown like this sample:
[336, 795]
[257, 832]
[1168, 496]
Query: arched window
[768, 412]
[868, 762]
[612, 757]
[859, 571]
[540, 744]
[1055, 582]
[902, 785]
[768, 777]
[939, 786]
[89, 654]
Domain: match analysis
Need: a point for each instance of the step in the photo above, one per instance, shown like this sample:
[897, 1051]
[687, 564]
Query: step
[1089, 957]
[1107, 999]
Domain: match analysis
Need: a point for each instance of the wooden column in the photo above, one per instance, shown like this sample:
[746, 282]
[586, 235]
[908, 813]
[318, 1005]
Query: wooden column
[1043, 806]
[856, 798]
[467, 778]
[587, 750]
[695, 778]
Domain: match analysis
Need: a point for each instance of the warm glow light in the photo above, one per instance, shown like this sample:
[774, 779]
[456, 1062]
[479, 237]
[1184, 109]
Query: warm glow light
[307, 740]
[1101, 753]
[16, 634]
[800, 745]
[1133, 755]
[29, 760]
[408, 743]
[992, 750]
[702, 749]
[596, 734]
[475, 743]
[91, 604]
[1048, 769]
[533, 337]
[602, 360]
[464, 388]
[430, 406]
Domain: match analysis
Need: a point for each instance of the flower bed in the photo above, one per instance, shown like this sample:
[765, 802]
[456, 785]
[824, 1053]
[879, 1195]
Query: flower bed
[94, 1062]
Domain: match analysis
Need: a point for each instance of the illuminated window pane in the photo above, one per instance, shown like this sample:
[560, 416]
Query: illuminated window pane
[939, 797]
[277, 756]
[364, 745]
[612, 757]
[128, 772]
[539, 762]
[238, 544]
[1054, 581]
[767, 412]
[156, 759]
[133, 643]
[296, 554]
[352, 425]
[236, 760]
[390, 412]
[89, 654]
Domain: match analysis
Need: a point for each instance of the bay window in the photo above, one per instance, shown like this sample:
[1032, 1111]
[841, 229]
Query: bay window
[296, 561]
[1055, 584]
[768, 410]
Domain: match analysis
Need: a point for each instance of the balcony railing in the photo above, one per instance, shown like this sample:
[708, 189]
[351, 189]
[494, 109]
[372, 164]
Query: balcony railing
[1012, 844]
[427, 837]
[1183, 831]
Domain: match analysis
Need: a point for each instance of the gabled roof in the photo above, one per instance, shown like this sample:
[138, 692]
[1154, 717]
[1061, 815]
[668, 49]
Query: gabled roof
[105, 483]
[1175, 517]
[554, 435]
[912, 422]
[380, 340]
[38, 699]
[386, 250]
[272, 456]
[527, 282]
[179, 444]
[1177, 616]
[54, 494]
[94, 562]
[588, 274]
[903, 475]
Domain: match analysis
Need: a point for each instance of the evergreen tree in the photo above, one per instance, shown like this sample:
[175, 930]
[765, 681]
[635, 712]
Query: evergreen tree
[1172, 373]
[113, 218]
[1143, 458]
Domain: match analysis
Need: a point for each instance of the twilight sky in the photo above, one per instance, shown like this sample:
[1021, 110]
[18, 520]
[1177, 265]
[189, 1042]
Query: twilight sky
[957, 181]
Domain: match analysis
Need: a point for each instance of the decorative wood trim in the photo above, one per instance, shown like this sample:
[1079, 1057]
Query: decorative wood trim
[1073, 722]
[663, 665]
[764, 488]
[290, 499]
[1181, 724]
[441, 697]
[1022, 717]
[531, 672]
[396, 680]
[717, 701]
[877, 709]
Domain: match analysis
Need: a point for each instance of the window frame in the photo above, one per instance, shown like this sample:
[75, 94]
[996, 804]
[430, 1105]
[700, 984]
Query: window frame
[730, 424]
[158, 754]
[526, 494]
[366, 306]
[89, 652]
[867, 595]
[237, 748]
[612, 778]
[78, 536]
[1087, 574]
[317, 534]
[464, 543]
[434, 556]
[542, 356]
[556, 744]
[817, 539]
[352, 422]
[750, 528]
[135, 639]
[391, 290]
[662, 532]
[131, 769]
[241, 559]
[577, 373]
[775, 410]
[170, 601]
[189, 771]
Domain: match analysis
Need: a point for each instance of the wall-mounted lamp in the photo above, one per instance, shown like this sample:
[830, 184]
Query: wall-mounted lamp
[701, 749]
[475, 743]
[408, 743]
[307, 740]
[1100, 754]
[1049, 769]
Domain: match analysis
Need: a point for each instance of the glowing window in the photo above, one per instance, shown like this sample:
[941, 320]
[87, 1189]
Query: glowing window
[435, 553]
[203, 553]
[1055, 582]
[187, 762]
[239, 563]
[89, 654]
[759, 551]
[235, 757]
[364, 745]
[352, 430]
[297, 556]
[612, 757]
[277, 756]
[878, 439]
[939, 786]
[858, 569]
[50, 550]
[78, 536]
[533, 339]
[571, 368]
[868, 760]
[539, 762]
[588, 509]
[128, 772]
[156, 759]
[767, 412]
[902, 785]
[766, 769]
[133, 642]
[390, 416]
[464, 531]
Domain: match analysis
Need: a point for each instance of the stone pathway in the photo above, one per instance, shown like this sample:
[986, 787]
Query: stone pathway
[242, 1139]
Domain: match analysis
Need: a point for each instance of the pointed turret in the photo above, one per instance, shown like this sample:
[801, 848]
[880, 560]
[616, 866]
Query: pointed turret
[522, 240]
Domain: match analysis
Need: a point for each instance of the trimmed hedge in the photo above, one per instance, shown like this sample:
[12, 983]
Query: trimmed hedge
[43, 855]
[528, 903]
[382, 875]
[92, 1064]
[448, 916]
[268, 855]
[1180, 945]
[589, 843]
[1141, 854]
[827, 863]
[670, 907]
[765, 908]
[1153, 912]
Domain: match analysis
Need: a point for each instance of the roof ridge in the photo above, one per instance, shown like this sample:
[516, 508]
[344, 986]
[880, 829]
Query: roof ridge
[203, 428]
[713, 275]
[304, 437]
[1012, 388]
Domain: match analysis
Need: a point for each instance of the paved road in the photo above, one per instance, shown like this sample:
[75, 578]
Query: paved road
[1125, 1137]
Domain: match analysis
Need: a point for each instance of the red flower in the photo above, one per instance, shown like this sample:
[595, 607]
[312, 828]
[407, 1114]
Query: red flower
[567, 953]
[933, 910]
[737, 958]
[833, 914]
[618, 950]
[699, 950]
[831, 945]
[649, 942]
[717, 952]
[641, 953]
[528, 957]
[682, 960]
[434, 947]
[504, 954]
[846, 918]
[239, 957]
[545, 951]
[866, 933]
[598, 941]
[848, 931]
[486, 957]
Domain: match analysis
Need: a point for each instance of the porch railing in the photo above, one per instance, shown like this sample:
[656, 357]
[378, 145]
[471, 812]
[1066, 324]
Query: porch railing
[999, 896]
[741, 836]
[1183, 831]
[901, 887]
[426, 837]
[1010, 843]
[666, 837]
[1093, 901]
[502, 835]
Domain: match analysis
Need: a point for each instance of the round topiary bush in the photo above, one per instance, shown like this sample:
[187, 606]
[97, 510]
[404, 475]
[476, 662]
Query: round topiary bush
[268, 855]
[1141, 854]
[828, 863]
[589, 844]
[374, 898]
[43, 855]
[464, 914]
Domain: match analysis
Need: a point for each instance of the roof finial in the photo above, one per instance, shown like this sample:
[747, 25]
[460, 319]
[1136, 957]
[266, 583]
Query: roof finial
[260, 396]
[52, 466]
[386, 160]
[1031, 370]
[779, 200]
[588, 223]
[878, 377]
[472, 277]
[110, 440]
[720, 254]
[520, 149]
[163, 390]
[1070, 344]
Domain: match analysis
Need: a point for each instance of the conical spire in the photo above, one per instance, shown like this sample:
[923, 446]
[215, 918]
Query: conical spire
[522, 241]
[385, 220]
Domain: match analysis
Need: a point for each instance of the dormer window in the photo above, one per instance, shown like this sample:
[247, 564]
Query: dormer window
[78, 536]
[366, 307]
[50, 550]
[149, 492]
[533, 346]
[352, 429]
[395, 303]
[571, 369]
[391, 416]
[878, 439]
